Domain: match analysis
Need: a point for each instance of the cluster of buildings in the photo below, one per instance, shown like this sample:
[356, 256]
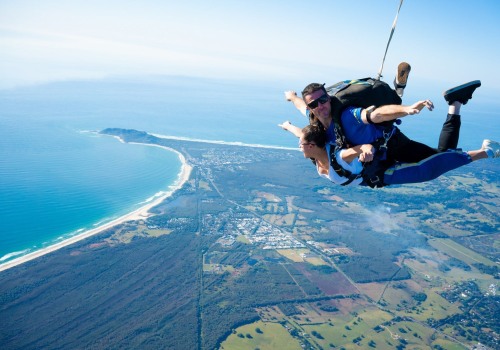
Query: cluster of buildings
[231, 225]
[330, 250]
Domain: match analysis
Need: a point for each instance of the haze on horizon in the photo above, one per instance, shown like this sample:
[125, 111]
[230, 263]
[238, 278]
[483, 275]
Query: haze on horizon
[279, 41]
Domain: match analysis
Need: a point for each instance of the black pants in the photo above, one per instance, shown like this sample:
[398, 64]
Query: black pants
[450, 133]
[402, 149]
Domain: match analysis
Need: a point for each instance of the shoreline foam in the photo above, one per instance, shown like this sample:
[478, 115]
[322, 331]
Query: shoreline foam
[229, 143]
[138, 214]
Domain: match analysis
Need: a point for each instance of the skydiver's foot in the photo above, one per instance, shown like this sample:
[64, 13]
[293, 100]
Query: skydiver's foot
[401, 78]
[492, 148]
[462, 93]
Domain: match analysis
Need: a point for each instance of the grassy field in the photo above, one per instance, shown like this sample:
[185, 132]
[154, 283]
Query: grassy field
[448, 345]
[204, 185]
[374, 317]
[296, 255]
[128, 231]
[270, 337]
[434, 306]
[416, 334]
[426, 267]
[458, 251]
[361, 332]
[316, 260]
[396, 298]
[281, 220]
[356, 325]
[374, 289]
[270, 197]
[324, 329]
[242, 239]
[270, 314]
[217, 268]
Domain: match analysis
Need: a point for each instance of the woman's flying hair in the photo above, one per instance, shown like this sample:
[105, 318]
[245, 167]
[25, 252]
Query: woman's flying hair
[314, 134]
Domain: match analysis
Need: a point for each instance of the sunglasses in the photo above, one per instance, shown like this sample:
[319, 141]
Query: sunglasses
[305, 144]
[320, 100]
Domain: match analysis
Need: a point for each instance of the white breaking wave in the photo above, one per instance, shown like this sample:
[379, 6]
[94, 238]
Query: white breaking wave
[13, 254]
[230, 143]
[153, 197]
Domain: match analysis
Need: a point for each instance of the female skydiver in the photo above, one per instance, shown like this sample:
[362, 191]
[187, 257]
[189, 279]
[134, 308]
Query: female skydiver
[313, 144]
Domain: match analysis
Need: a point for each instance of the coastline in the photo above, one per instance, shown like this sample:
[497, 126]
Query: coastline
[138, 214]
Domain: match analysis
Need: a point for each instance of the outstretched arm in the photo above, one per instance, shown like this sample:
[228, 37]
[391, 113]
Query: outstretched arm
[297, 101]
[295, 130]
[391, 112]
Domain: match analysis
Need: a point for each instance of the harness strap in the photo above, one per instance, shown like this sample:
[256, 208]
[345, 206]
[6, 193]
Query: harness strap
[340, 170]
[351, 179]
[373, 172]
[371, 176]
[381, 143]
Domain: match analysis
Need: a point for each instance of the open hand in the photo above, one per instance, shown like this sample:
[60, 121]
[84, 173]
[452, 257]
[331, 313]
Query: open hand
[418, 106]
[285, 125]
[289, 95]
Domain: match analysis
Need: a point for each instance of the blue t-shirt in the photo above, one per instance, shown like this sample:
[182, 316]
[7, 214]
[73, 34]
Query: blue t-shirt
[330, 133]
[355, 131]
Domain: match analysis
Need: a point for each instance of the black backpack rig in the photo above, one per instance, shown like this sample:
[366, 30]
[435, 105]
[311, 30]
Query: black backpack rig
[362, 93]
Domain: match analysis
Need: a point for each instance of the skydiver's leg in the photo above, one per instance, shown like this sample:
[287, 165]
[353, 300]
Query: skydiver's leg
[402, 149]
[456, 97]
[492, 149]
[448, 139]
[438, 164]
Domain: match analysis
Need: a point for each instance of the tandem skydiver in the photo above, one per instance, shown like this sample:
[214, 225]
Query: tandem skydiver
[359, 127]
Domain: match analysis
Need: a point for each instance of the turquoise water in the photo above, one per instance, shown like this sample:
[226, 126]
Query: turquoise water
[58, 178]
[58, 181]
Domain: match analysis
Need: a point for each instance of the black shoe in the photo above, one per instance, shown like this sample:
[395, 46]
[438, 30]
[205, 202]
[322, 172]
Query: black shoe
[461, 93]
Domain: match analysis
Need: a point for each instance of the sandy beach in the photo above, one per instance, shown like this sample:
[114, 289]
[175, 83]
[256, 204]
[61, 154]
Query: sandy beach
[138, 214]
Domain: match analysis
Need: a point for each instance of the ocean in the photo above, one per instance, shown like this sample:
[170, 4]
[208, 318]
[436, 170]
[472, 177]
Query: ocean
[59, 177]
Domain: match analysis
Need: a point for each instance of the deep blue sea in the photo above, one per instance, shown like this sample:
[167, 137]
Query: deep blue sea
[58, 177]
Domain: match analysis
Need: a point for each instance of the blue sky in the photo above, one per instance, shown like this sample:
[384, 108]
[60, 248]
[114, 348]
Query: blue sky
[296, 42]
